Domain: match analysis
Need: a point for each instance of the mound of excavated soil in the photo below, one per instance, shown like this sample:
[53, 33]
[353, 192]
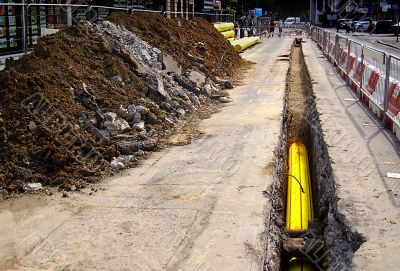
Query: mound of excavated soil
[95, 98]
[179, 37]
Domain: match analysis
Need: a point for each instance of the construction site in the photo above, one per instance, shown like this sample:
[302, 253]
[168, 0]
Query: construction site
[139, 139]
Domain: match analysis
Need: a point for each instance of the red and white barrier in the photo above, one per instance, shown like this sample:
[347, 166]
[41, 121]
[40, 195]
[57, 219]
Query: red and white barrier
[356, 73]
[377, 99]
[343, 61]
[396, 126]
[373, 87]
[394, 99]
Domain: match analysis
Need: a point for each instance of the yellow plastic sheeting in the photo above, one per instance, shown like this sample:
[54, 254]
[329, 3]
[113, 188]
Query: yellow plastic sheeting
[299, 206]
[228, 34]
[221, 27]
[242, 44]
[231, 40]
[300, 265]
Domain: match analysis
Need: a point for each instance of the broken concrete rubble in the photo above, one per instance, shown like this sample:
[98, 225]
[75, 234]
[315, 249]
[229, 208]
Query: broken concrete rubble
[119, 85]
[196, 59]
[85, 97]
[224, 99]
[122, 112]
[30, 187]
[197, 78]
[139, 126]
[118, 124]
[169, 64]
[102, 135]
[225, 84]
[130, 144]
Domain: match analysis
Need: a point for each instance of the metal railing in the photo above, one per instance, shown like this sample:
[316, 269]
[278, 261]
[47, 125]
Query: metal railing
[30, 25]
[373, 73]
[211, 17]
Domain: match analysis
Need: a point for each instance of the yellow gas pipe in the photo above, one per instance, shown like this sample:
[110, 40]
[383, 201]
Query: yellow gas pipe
[297, 264]
[244, 43]
[299, 206]
[228, 34]
[221, 27]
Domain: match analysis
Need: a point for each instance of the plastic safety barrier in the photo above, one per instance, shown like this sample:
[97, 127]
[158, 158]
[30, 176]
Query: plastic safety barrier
[343, 57]
[394, 99]
[366, 69]
[377, 99]
[358, 73]
[350, 65]
[371, 78]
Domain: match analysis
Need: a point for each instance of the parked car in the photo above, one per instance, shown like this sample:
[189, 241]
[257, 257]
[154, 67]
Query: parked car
[396, 29]
[291, 21]
[344, 24]
[361, 26]
[382, 26]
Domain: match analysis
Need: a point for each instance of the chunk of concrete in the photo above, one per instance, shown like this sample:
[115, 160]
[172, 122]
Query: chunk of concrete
[196, 58]
[122, 112]
[181, 112]
[142, 110]
[185, 83]
[169, 64]
[139, 126]
[226, 84]
[197, 78]
[118, 124]
[131, 112]
[30, 187]
[116, 165]
[136, 118]
[110, 116]
[224, 99]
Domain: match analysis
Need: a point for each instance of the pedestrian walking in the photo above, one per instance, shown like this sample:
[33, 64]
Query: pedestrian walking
[271, 28]
[280, 27]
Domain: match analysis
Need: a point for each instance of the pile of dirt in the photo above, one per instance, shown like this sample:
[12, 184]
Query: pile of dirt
[96, 97]
[182, 39]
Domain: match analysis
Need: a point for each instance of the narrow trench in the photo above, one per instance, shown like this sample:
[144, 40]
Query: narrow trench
[328, 242]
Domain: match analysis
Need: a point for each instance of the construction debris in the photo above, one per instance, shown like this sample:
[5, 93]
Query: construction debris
[94, 98]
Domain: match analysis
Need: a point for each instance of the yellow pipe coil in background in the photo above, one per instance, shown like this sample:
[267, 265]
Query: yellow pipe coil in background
[299, 206]
[228, 34]
[244, 43]
[297, 264]
[224, 26]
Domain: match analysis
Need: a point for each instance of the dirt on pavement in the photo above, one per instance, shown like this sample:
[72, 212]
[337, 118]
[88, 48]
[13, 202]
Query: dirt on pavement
[96, 97]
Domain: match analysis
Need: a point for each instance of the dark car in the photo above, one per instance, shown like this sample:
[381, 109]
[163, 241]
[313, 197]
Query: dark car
[396, 29]
[381, 27]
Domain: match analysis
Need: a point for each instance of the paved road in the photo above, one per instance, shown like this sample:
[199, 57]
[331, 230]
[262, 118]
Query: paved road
[371, 40]
[193, 207]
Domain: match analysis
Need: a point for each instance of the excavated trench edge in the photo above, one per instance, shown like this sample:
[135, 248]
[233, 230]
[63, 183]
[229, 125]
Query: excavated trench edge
[330, 242]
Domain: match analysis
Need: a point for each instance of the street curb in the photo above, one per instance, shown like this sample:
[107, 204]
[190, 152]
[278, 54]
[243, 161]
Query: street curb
[387, 44]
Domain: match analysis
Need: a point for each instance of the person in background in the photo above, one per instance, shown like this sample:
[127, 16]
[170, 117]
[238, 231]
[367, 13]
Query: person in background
[280, 27]
[271, 28]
